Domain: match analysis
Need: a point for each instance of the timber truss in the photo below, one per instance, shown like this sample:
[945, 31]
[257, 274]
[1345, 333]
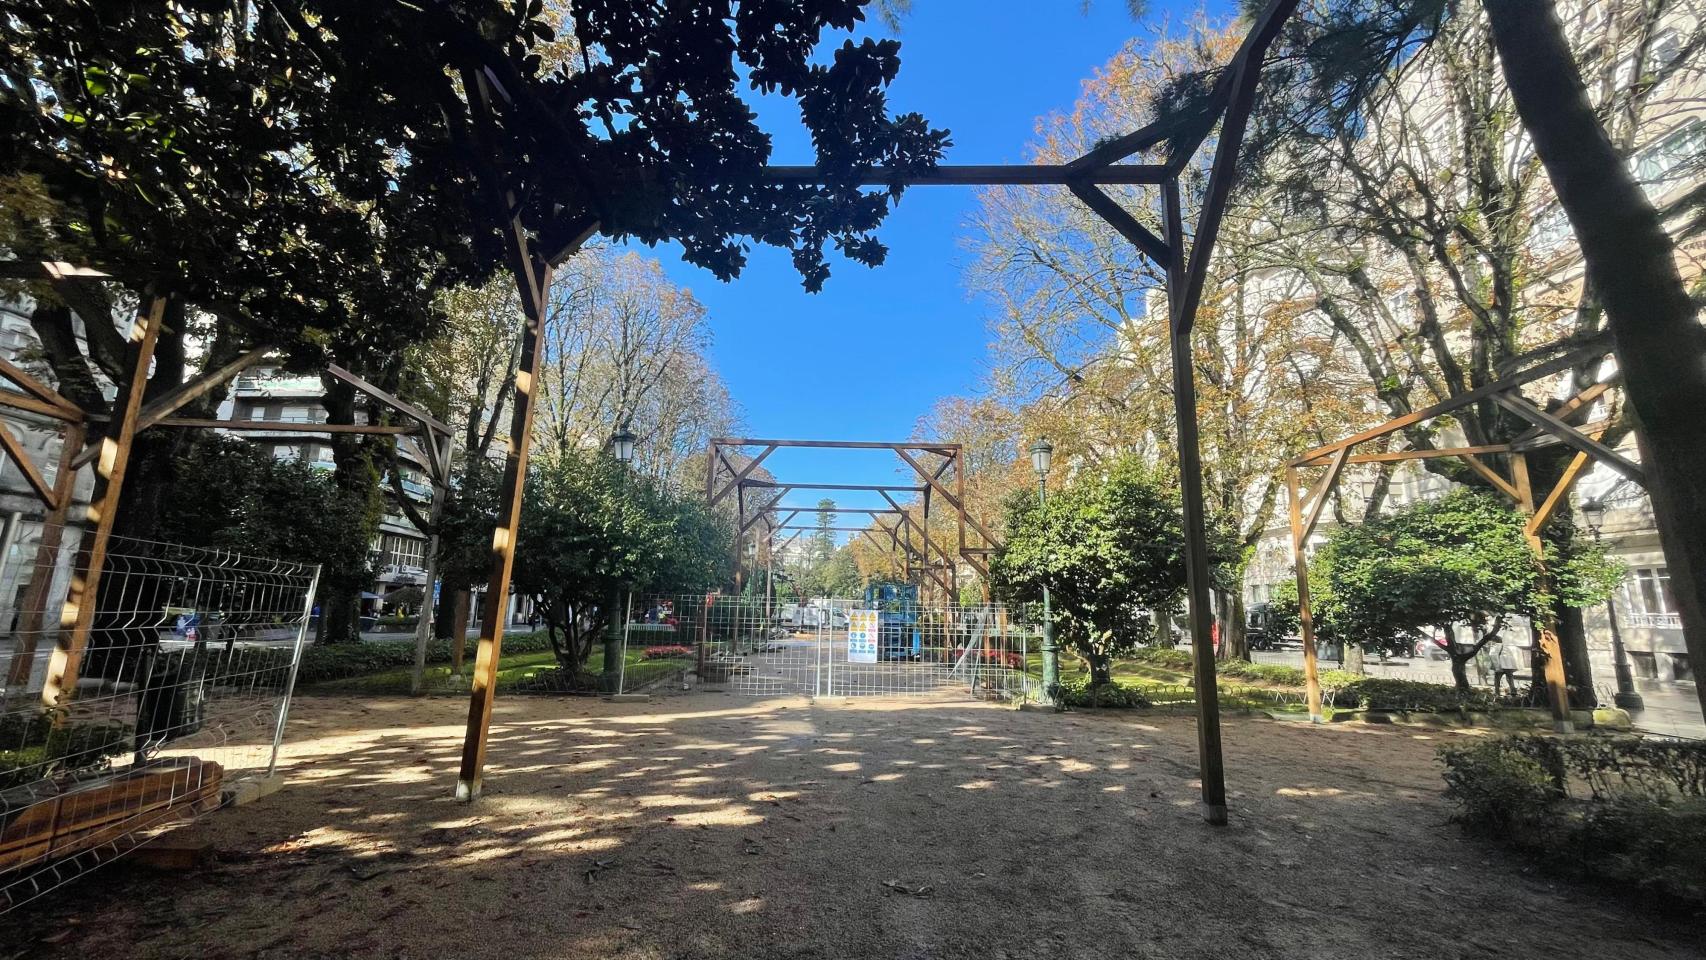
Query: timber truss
[105, 440]
[534, 250]
[938, 467]
[1549, 427]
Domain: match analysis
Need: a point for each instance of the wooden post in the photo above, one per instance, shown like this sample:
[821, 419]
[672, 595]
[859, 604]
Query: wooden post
[1209, 760]
[1546, 631]
[533, 280]
[33, 605]
[440, 457]
[77, 617]
[1305, 616]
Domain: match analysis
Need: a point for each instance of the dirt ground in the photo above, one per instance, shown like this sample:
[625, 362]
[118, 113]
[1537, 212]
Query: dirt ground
[713, 826]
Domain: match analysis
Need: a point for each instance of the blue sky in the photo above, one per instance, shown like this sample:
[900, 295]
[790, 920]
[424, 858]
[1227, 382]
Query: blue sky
[867, 357]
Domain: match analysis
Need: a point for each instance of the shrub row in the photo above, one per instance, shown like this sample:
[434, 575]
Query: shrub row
[323, 662]
[1079, 692]
[1640, 822]
[666, 651]
[1340, 688]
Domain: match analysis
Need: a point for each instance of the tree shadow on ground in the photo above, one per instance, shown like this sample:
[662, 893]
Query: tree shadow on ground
[716, 826]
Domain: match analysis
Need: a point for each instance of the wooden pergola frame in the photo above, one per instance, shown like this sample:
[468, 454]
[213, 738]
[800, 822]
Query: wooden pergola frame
[1549, 427]
[110, 454]
[725, 476]
[531, 263]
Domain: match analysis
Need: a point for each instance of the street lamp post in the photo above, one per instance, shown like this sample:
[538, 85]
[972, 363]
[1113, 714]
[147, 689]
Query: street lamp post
[1042, 454]
[1593, 513]
[622, 448]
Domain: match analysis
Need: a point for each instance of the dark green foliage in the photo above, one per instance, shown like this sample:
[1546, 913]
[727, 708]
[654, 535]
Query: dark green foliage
[1462, 558]
[1108, 547]
[1080, 692]
[36, 749]
[591, 530]
[1352, 692]
[323, 662]
[1640, 825]
[234, 495]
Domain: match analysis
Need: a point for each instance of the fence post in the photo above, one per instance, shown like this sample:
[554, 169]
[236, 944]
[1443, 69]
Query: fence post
[295, 664]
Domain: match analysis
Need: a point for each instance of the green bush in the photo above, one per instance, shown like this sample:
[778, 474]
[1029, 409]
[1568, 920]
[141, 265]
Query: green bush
[1163, 657]
[323, 662]
[1349, 691]
[1629, 811]
[1496, 786]
[1078, 692]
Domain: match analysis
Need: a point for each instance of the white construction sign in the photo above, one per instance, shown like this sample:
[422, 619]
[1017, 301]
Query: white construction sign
[862, 636]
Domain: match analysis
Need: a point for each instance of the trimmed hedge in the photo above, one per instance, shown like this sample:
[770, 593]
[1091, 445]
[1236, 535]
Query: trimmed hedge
[1629, 811]
[1341, 688]
[1077, 692]
[323, 662]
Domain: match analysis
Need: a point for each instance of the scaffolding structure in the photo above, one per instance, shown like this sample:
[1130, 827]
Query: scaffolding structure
[1561, 424]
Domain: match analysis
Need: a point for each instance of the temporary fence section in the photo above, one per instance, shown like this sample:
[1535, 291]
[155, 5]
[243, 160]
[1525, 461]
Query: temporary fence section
[849, 648]
[181, 694]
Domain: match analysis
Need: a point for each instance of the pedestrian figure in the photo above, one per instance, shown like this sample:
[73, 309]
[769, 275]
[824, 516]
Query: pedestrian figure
[1504, 665]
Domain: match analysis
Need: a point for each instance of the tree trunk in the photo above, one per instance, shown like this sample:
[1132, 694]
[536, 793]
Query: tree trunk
[1353, 658]
[1234, 630]
[1573, 645]
[1661, 349]
[347, 570]
[459, 629]
[1163, 629]
[1459, 661]
[1101, 669]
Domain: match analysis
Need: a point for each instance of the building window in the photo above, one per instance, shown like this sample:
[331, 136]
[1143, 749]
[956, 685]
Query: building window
[287, 451]
[1666, 49]
[1643, 664]
[1649, 591]
[1661, 162]
[1552, 230]
[1679, 667]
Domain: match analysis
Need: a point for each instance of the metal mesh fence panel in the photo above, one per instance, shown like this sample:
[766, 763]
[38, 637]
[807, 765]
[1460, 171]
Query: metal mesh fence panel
[182, 694]
[832, 647]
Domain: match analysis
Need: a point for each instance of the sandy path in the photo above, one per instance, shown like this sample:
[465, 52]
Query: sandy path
[715, 826]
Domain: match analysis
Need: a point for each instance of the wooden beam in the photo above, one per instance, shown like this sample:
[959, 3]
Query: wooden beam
[39, 390]
[32, 607]
[197, 388]
[1571, 436]
[21, 401]
[77, 616]
[533, 283]
[1492, 476]
[1543, 514]
[1398, 455]
[942, 491]
[930, 446]
[747, 524]
[743, 473]
[975, 175]
[1305, 612]
[1323, 489]
[1568, 409]
[1460, 401]
[32, 475]
[1182, 305]
[383, 396]
[1546, 629]
[287, 426]
[1122, 221]
[867, 487]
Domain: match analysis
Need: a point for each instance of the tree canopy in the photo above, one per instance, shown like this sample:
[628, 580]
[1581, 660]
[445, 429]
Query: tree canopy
[591, 529]
[1459, 559]
[1109, 547]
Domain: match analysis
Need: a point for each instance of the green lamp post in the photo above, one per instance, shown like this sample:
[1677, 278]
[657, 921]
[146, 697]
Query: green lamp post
[622, 448]
[1042, 455]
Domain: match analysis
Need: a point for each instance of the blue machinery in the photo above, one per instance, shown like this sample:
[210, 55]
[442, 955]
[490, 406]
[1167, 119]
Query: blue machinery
[898, 634]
